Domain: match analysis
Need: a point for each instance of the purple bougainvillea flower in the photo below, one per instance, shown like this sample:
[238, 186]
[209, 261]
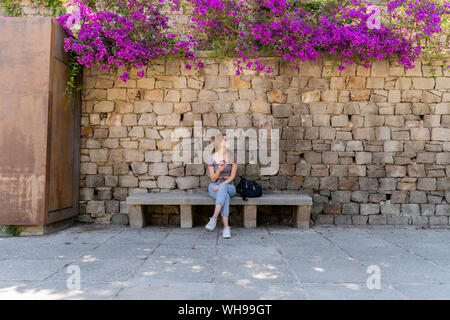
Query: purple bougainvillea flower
[141, 74]
[200, 65]
[124, 76]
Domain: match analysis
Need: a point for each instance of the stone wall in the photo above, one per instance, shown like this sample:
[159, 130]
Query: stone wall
[372, 146]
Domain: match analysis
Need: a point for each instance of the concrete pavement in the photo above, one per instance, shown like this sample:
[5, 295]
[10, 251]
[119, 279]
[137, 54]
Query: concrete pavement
[273, 262]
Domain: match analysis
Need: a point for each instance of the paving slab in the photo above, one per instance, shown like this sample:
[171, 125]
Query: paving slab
[46, 251]
[409, 269]
[250, 271]
[87, 234]
[100, 270]
[108, 251]
[180, 238]
[431, 244]
[174, 265]
[30, 269]
[329, 271]
[270, 262]
[58, 290]
[350, 291]
[141, 289]
[429, 291]
[259, 291]
[151, 235]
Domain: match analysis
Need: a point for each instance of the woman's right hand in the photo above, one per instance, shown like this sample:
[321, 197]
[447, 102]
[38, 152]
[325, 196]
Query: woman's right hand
[222, 166]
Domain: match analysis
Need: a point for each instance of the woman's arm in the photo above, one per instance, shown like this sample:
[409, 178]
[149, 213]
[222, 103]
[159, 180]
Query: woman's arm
[232, 175]
[215, 175]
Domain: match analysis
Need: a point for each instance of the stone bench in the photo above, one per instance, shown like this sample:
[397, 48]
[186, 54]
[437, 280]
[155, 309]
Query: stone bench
[301, 202]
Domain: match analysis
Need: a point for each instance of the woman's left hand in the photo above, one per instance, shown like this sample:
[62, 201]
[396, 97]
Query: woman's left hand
[215, 188]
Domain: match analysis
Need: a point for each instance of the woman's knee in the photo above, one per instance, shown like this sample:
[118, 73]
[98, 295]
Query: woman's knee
[223, 187]
[223, 190]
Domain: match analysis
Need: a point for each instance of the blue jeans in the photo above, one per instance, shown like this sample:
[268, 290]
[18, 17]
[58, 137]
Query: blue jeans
[222, 195]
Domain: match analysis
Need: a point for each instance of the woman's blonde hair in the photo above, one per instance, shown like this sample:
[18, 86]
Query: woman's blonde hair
[217, 145]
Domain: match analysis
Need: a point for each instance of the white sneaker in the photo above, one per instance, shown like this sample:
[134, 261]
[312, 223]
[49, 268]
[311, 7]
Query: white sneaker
[211, 224]
[227, 233]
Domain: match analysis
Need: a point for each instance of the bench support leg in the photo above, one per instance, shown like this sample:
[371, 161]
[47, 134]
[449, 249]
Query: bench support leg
[250, 216]
[301, 216]
[185, 216]
[136, 216]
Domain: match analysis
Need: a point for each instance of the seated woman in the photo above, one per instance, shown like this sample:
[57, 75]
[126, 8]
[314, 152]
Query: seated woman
[222, 168]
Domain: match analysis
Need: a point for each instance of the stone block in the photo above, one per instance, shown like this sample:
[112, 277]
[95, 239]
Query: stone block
[369, 209]
[423, 83]
[368, 184]
[398, 196]
[98, 155]
[427, 184]
[443, 210]
[377, 220]
[421, 134]
[128, 181]
[360, 94]
[417, 197]
[390, 209]
[86, 194]
[439, 221]
[393, 146]
[282, 110]
[95, 207]
[360, 220]
[343, 220]
[364, 134]
[341, 196]
[166, 182]
[442, 83]
[350, 209]
[241, 106]
[380, 69]
[184, 183]
[427, 209]
[395, 171]
[158, 169]
[410, 209]
[104, 106]
[311, 96]
[440, 134]
[339, 121]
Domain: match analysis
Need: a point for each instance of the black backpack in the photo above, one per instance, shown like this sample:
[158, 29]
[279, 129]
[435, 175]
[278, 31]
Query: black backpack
[248, 189]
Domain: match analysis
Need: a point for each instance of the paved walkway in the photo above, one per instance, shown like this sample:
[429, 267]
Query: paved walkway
[263, 263]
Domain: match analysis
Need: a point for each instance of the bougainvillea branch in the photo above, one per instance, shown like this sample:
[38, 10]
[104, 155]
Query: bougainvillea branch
[131, 36]
[131, 33]
[294, 31]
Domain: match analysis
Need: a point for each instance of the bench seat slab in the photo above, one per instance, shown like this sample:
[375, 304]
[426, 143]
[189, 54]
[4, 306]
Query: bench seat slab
[175, 198]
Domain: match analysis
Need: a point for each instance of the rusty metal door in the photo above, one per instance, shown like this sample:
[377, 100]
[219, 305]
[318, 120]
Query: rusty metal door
[24, 66]
[39, 128]
[61, 148]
